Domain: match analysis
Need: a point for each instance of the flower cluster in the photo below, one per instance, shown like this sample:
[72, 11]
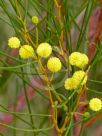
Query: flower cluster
[25, 51]
[44, 50]
[78, 59]
[79, 78]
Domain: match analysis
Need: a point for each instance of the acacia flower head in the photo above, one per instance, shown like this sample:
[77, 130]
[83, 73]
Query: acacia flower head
[95, 104]
[78, 59]
[26, 51]
[87, 114]
[44, 50]
[35, 19]
[54, 64]
[70, 84]
[14, 42]
[80, 77]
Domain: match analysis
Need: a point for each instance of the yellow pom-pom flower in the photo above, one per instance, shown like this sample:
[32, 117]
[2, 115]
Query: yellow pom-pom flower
[35, 19]
[74, 57]
[80, 77]
[14, 42]
[54, 64]
[44, 50]
[78, 59]
[95, 104]
[70, 84]
[26, 51]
